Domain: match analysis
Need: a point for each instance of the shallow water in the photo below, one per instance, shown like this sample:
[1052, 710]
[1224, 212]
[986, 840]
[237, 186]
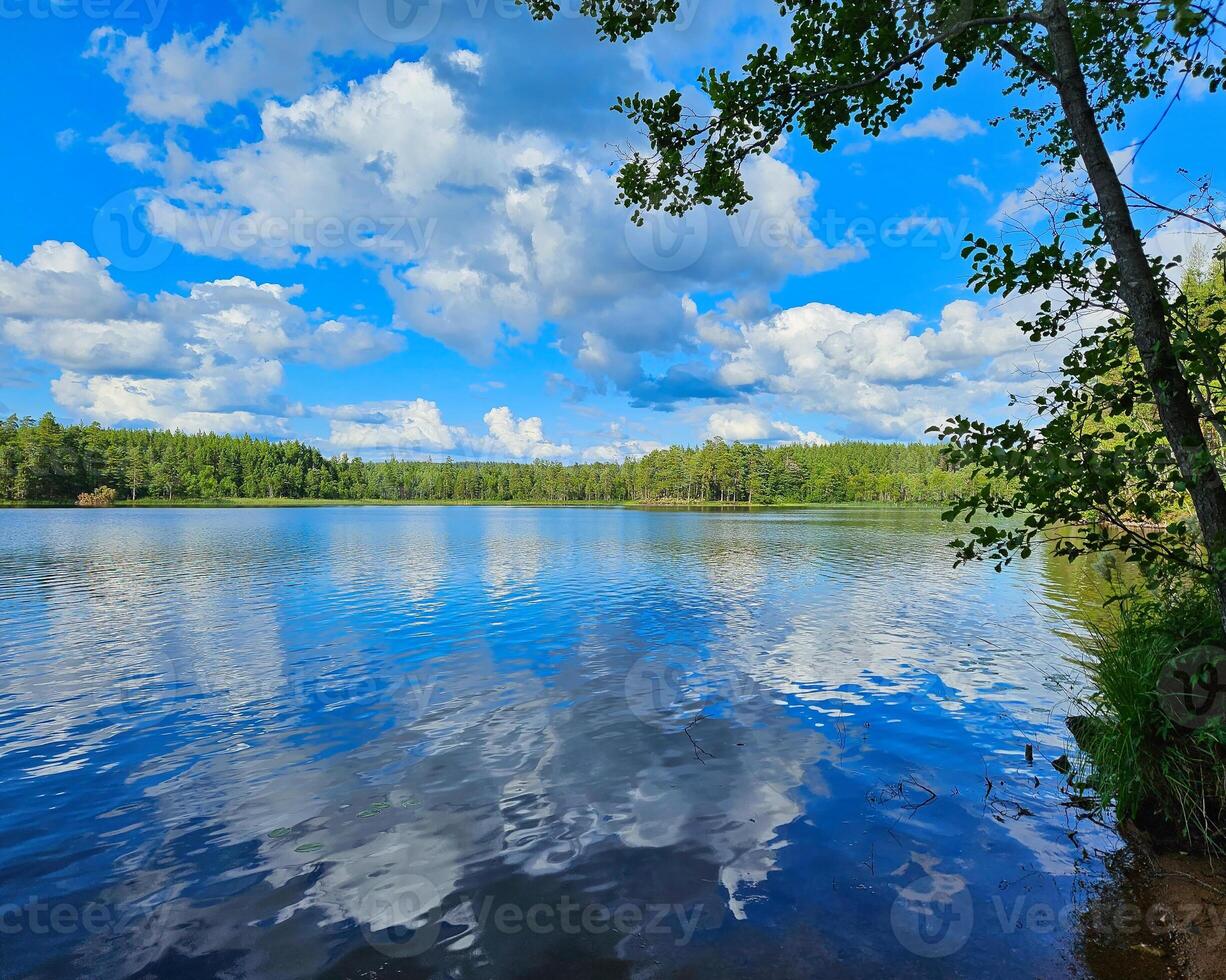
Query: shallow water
[530, 742]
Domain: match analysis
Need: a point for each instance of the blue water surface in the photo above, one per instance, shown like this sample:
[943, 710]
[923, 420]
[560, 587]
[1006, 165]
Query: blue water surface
[511, 742]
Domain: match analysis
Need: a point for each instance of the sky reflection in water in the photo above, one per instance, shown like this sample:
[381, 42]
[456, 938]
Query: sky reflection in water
[514, 742]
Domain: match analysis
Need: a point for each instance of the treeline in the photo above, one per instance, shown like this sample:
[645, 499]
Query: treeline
[46, 461]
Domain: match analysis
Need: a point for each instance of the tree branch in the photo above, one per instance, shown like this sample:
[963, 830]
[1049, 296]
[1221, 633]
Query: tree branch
[917, 53]
[1028, 62]
[1176, 212]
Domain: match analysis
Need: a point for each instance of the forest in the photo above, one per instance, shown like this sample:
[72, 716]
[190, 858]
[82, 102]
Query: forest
[46, 461]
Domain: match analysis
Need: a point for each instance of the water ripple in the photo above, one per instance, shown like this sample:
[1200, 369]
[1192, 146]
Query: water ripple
[313, 742]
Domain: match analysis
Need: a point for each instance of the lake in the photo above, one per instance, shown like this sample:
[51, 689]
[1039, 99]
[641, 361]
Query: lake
[512, 742]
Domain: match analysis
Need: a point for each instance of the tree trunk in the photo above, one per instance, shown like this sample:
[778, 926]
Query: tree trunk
[1144, 299]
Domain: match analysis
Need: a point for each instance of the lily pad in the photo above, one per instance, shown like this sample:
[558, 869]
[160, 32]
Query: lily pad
[374, 808]
[308, 848]
[279, 833]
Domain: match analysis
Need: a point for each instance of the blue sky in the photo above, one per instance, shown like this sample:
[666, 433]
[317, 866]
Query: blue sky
[397, 233]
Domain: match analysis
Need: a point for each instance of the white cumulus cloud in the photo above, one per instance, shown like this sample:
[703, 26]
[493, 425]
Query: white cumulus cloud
[465, 60]
[480, 237]
[743, 424]
[882, 374]
[211, 357]
[417, 427]
[940, 124]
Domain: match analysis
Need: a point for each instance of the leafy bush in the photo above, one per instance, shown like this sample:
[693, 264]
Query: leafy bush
[102, 497]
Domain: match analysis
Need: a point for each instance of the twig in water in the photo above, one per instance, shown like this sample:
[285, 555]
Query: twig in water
[699, 751]
[871, 863]
[908, 805]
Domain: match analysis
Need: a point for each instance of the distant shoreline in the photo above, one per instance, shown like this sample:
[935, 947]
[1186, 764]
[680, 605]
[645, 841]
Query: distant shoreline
[47, 461]
[292, 502]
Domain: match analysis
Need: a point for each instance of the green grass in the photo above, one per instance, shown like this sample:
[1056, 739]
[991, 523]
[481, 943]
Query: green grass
[1158, 766]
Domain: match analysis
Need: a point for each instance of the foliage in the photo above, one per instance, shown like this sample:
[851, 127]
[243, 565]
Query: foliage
[1097, 463]
[1168, 778]
[860, 63]
[47, 461]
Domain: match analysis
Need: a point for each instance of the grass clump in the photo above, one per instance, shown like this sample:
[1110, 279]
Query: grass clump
[1153, 729]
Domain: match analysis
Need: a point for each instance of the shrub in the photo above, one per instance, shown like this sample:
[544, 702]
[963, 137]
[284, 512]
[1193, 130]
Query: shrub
[1153, 739]
[102, 497]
